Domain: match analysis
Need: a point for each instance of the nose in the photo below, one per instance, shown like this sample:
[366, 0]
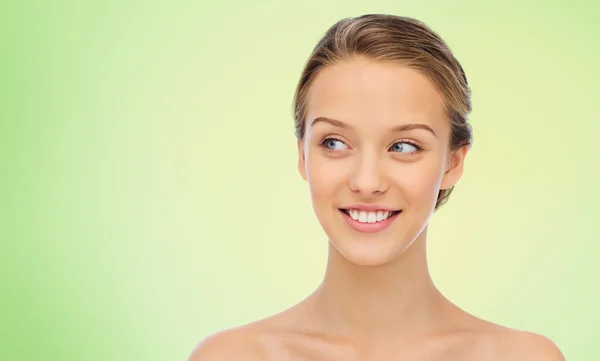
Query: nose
[368, 176]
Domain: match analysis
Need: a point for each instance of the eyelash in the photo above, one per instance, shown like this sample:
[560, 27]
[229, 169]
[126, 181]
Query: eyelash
[326, 139]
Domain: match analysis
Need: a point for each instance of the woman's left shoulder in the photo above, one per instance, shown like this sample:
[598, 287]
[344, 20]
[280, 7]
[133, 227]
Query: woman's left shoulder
[517, 345]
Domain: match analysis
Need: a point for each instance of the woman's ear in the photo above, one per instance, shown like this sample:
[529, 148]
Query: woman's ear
[454, 168]
[301, 160]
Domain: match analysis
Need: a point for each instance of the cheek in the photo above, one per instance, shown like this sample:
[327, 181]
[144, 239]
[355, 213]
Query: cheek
[420, 180]
[324, 177]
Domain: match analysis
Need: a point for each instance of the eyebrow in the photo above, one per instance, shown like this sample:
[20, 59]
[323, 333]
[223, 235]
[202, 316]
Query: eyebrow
[396, 129]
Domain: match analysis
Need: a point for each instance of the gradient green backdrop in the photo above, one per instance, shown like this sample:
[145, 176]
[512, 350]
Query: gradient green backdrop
[149, 191]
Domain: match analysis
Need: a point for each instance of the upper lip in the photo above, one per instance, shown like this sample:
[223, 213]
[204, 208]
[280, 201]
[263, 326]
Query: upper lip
[369, 207]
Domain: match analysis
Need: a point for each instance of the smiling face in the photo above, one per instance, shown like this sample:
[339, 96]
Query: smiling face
[375, 154]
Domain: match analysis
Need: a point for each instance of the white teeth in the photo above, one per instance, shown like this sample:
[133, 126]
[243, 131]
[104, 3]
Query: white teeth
[362, 217]
[368, 217]
[372, 217]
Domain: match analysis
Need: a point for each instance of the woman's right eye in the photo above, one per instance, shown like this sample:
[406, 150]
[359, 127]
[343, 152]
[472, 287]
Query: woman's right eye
[333, 144]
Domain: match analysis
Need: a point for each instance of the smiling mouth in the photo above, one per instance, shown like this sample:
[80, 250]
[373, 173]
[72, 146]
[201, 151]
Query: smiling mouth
[369, 216]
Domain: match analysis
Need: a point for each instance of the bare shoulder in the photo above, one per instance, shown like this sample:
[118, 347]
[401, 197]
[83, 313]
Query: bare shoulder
[259, 340]
[504, 344]
[528, 346]
[493, 342]
[240, 343]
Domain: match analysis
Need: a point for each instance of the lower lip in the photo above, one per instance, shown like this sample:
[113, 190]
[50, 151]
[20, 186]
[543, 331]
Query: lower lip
[368, 227]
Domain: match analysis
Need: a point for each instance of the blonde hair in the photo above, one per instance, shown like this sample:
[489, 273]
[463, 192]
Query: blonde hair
[403, 40]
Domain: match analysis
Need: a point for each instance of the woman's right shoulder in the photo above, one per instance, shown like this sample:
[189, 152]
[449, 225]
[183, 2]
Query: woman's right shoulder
[240, 343]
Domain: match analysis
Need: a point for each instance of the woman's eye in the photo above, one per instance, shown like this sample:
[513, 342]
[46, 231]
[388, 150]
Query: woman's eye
[404, 147]
[334, 144]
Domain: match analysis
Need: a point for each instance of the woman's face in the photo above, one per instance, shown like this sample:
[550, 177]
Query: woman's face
[375, 155]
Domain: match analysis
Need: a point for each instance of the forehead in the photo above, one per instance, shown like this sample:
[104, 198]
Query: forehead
[362, 90]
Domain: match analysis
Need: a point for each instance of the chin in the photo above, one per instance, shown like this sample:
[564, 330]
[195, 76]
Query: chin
[370, 252]
[368, 261]
[374, 248]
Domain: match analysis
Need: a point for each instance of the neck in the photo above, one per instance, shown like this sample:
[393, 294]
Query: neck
[370, 302]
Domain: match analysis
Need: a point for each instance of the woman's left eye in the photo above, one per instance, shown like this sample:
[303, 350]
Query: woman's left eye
[404, 147]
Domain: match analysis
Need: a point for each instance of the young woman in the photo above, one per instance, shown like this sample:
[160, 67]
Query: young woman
[381, 120]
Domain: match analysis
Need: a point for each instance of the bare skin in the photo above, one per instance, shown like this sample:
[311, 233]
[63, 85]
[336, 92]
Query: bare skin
[377, 300]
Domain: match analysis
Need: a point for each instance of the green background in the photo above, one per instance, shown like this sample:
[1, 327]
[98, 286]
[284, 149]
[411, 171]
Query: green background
[149, 190]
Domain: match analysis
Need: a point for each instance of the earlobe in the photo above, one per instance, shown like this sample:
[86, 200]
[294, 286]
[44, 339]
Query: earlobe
[301, 160]
[455, 167]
